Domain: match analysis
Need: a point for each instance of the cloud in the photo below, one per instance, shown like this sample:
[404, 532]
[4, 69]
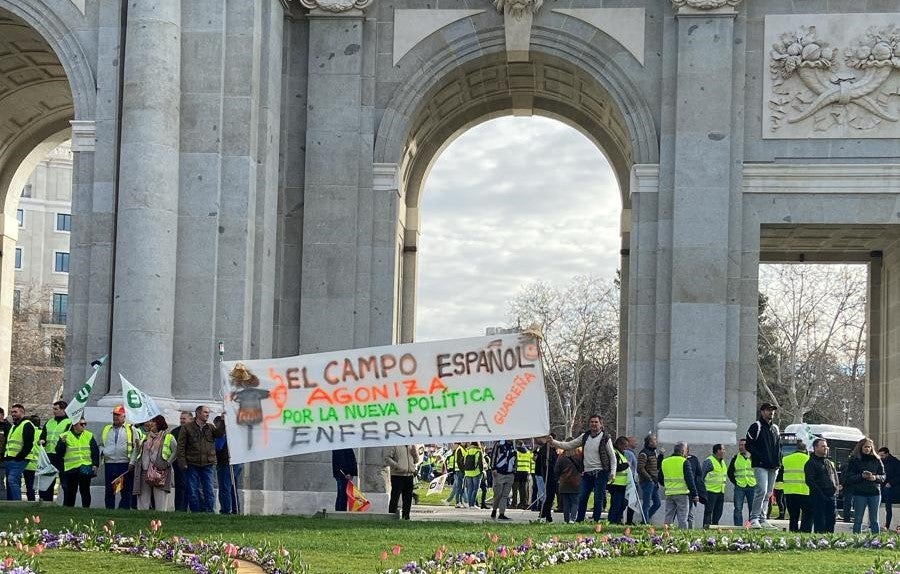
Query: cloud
[509, 202]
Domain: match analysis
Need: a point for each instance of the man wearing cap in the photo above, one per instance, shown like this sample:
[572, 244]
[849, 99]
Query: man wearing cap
[764, 445]
[119, 440]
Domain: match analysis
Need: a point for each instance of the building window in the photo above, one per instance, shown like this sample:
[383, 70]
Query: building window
[61, 264]
[18, 257]
[20, 217]
[60, 308]
[26, 191]
[63, 222]
[17, 296]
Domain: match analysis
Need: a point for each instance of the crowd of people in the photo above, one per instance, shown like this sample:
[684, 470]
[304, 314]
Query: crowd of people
[545, 474]
[142, 465]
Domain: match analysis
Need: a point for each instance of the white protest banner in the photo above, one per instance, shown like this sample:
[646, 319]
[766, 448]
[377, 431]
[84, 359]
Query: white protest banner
[477, 389]
[75, 410]
[139, 406]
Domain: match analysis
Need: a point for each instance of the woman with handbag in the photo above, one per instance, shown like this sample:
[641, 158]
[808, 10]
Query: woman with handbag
[153, 465]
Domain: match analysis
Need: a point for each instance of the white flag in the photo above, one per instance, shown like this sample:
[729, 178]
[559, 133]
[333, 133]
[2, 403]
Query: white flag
[139, 407]
[633, 496]
[45, 472]
[437, 484]
[75, 410]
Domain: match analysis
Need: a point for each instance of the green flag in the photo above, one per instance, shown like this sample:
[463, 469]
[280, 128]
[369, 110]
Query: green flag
[76, 406]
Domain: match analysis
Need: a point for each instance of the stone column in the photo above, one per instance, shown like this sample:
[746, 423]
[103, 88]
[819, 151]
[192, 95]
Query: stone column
[883, 388]
[147, 215]
[700, 227]
[334, 190]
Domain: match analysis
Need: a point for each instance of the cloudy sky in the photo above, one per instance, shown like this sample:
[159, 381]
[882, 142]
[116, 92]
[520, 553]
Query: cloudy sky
[509, 202]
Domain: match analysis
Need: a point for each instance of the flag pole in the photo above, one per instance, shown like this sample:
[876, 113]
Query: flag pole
[234, 492]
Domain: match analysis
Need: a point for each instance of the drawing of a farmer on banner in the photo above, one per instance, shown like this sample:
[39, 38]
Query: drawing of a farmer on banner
[248, 398]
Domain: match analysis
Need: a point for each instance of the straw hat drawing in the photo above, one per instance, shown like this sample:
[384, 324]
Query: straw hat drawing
[242, 377]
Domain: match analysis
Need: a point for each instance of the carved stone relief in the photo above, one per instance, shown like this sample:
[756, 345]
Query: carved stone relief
[704, 4]
[518, 8]
[835, 76]
[336, 5]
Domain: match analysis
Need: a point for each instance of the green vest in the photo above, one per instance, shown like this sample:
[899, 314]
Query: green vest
[167, 447]
[794, 474]
[78, 450]
[55, 428]
[524, 461]
[673, 475]
[35, 449]
[743, 472]
[715, 480]
[622, 476]
[129, 436]
[473, 451]
[16, 441]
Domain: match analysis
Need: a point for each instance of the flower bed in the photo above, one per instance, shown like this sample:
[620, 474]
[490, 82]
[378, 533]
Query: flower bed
[508, 559]
[23, 543]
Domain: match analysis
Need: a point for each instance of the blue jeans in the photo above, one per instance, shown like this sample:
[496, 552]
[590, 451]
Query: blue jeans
[200, 484]
[594, 481]
[14, 470]
[227, 494]
[340, 501]
[740, 496]
[181, 493]
[459, 485]
[472, 485]
[862, 503]
[649, 500]
[113, 470]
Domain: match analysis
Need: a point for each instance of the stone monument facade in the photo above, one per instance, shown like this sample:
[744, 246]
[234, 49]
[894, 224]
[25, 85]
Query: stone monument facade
[251, 172]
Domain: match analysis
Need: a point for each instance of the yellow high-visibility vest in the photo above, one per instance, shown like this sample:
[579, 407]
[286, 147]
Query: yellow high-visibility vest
[715, 480]
[621, 476]
[524, 461]
[15, 442]
[78, 450]
[794, 474]
[743, 472]
[55, 428]
[673, 475]
[129, 436]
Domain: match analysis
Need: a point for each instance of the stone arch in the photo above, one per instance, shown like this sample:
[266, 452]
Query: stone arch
[45, 83]
[447, 91]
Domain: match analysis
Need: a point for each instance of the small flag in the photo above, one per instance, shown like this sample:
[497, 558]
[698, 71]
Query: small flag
[356, 500]
[75, 410]
[139, 406]
[437, 484]
[118, 483]
[45, 472]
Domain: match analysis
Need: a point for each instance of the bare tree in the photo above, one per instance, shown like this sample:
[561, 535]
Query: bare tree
[812, 340]
[579, 347]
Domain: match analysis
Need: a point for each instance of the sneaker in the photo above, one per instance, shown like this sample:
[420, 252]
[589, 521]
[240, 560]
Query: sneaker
[755, 523]
[503, 517]
[768, 524]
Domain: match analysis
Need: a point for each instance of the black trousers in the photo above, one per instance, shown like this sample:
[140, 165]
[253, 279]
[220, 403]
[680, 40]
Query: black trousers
[823, 512]
[401, 486]
[712, 510]
[549, 497]
[799, 512]
[75, 482]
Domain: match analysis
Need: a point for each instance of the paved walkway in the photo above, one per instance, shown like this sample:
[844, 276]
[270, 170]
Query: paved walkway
[478, 515]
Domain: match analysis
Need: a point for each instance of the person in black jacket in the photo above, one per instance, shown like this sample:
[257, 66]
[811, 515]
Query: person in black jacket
[764, 445]
[343, 468]
[865, 474]
[890, 490]
[822, 479]
[545, 467]
[699, 483]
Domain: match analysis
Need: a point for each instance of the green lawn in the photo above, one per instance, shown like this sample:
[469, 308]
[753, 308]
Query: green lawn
[343, 546]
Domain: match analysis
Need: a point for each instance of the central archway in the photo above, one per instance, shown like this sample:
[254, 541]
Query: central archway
[573, 82]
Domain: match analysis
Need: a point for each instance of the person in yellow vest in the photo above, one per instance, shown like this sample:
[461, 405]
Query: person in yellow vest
[522, 478]
[80, 457]
[473, 467]
[715, 472]
[53, 428]
[31, 467]
[118, 441]
[19, 451]
[617, 489]
[740, 473]
[677, 479]
[158, 449]
[459, 477]
[796, 491]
